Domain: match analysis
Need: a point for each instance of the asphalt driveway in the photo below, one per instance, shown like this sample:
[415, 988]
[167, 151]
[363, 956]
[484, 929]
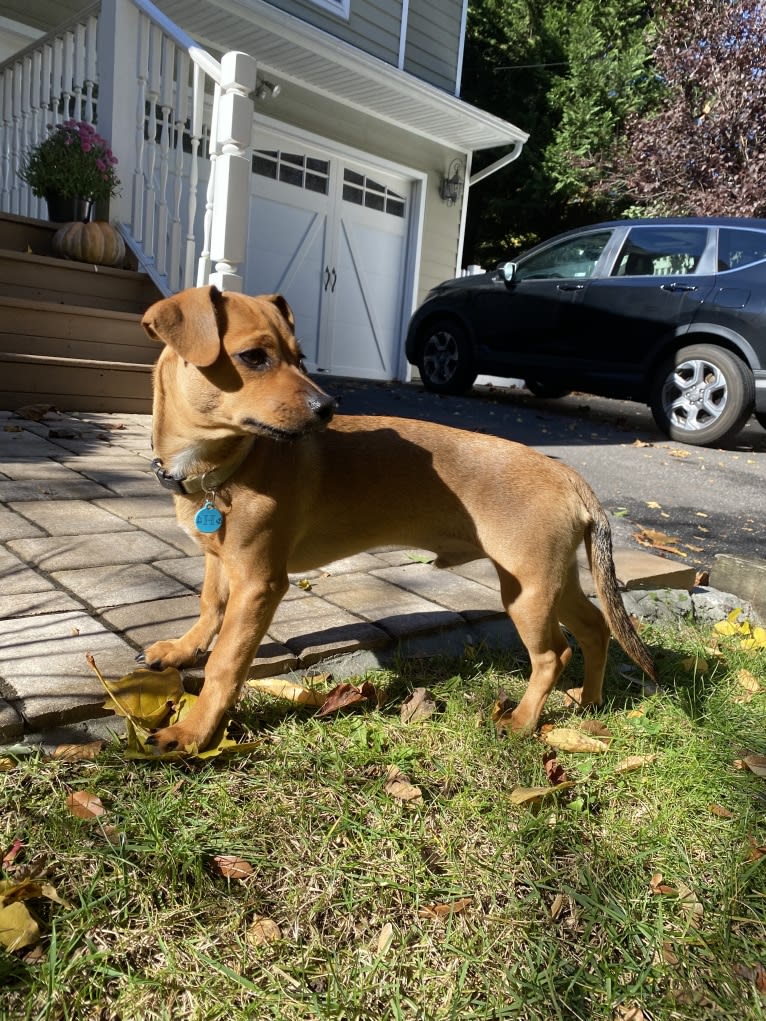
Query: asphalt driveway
[688, 503]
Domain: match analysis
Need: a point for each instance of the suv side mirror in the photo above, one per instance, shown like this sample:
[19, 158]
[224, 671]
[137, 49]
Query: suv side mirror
[509, 272]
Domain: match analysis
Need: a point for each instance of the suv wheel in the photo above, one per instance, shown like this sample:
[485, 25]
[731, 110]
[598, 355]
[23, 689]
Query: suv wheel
[702, 395]
[446, 360]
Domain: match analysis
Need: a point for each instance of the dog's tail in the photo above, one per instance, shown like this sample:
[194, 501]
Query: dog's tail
[598, 545]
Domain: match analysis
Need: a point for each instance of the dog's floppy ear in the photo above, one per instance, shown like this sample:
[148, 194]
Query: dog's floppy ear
[187, 323]
[284, 308]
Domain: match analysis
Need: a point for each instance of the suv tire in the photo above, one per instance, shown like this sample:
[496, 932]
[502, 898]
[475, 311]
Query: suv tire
[445, 359]
[702, 395]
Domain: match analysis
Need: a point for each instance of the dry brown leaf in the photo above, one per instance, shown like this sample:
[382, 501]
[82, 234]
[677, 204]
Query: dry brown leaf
[34, 412]
[595, 728]
[78, 752]
[344, 695]
[231, 866]
[755, 974]
[659, 541]
[629, 1013]
[553, 769]
[534, 795]
[755, 763]
[418, 706]
[263, 930]
[668, 954]
[439, 910]
[690, 906]
[385, 939]
[85, 805]
[569, 740]
[757, 851]
[749, 684]
[633, 762]
[503, 707]
[12, 853]
[679, 452]
[557, 906]
[657, 886]
[721, 811]
[398, 786]
[7, 763]
[288, 690]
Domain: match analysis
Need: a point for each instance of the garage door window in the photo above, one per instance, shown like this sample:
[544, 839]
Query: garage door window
[293, 168]
[364, 191]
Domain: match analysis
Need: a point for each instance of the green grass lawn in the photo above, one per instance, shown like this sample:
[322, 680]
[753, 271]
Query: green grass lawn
[629, 895]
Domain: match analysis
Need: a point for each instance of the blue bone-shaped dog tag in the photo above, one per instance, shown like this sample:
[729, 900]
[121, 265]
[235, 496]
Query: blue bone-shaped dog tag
[208, 518]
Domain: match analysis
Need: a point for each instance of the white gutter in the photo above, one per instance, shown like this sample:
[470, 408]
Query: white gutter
[497, 165]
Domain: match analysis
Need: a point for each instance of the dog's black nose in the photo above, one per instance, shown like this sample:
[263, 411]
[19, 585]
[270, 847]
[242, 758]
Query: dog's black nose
[323, 406]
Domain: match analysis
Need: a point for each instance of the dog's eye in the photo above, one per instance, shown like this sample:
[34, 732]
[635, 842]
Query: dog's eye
[255, 358]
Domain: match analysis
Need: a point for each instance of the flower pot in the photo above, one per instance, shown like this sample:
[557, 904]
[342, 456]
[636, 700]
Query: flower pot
[63, 209]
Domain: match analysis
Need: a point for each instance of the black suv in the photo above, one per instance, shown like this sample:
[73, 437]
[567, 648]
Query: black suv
[670, 312]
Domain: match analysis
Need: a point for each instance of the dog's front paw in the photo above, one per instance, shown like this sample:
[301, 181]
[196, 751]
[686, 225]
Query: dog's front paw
[177, 738]
[165, 654]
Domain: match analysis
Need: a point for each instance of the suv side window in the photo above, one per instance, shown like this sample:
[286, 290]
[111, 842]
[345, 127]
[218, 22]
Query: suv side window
[738, 247]
[660, 251]
[574, 257]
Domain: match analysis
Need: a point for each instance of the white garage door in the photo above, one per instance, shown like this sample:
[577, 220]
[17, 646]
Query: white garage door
[331, 235]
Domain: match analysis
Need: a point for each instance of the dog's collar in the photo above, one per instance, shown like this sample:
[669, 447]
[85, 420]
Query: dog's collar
[187, 485]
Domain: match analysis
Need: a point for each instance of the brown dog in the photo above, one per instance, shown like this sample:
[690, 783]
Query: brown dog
[240, 427]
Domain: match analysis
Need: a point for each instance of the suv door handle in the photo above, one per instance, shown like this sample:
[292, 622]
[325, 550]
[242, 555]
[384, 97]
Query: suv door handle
[570, 287]
[675, 286]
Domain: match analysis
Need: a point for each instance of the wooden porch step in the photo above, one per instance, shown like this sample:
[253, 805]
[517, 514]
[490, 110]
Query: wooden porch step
[61, 281]
[73, 331]
[74, 384]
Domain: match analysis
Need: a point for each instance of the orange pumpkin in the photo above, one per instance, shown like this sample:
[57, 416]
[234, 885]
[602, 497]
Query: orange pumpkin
[97, 242]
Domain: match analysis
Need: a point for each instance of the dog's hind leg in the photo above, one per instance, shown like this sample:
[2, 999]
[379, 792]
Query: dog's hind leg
[587, 624]
[533, 611]
[185, 650]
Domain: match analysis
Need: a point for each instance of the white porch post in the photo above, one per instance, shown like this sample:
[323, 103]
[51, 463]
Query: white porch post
[233, 168]
[118, 28]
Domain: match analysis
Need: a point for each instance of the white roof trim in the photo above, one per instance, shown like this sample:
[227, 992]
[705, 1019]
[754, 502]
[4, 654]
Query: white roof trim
[292, 50]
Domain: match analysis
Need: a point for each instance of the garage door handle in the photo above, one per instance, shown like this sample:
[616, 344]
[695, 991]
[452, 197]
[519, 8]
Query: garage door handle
[334, 278]
[570, 287]
[326, 277]
[675, 286]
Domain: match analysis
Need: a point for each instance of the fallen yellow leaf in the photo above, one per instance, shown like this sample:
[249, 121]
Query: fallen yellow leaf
[634, 762]
[534, 795]
[290, 691]
[570, 740]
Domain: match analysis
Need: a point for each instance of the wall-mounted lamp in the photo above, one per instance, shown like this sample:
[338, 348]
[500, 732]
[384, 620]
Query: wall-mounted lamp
[451, 183]
[266, 90]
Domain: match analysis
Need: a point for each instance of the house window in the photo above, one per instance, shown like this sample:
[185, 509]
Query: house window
[364, 191]
[301, 171]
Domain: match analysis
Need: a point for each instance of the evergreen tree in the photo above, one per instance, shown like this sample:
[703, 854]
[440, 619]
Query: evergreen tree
[568, 72]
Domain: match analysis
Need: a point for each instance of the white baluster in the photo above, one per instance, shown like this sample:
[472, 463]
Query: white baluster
[166, 103]
[152, 96]
[179, 127]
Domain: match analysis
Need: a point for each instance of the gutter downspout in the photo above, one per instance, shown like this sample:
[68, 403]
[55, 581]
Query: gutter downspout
[509, 157]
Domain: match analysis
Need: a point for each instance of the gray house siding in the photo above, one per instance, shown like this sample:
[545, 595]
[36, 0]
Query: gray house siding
[433, 38]
[373, 27]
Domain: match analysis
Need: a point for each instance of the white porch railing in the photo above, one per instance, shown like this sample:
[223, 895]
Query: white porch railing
[179, 121]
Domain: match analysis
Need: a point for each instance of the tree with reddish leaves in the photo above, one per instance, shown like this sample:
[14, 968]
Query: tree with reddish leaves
[703, 150]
